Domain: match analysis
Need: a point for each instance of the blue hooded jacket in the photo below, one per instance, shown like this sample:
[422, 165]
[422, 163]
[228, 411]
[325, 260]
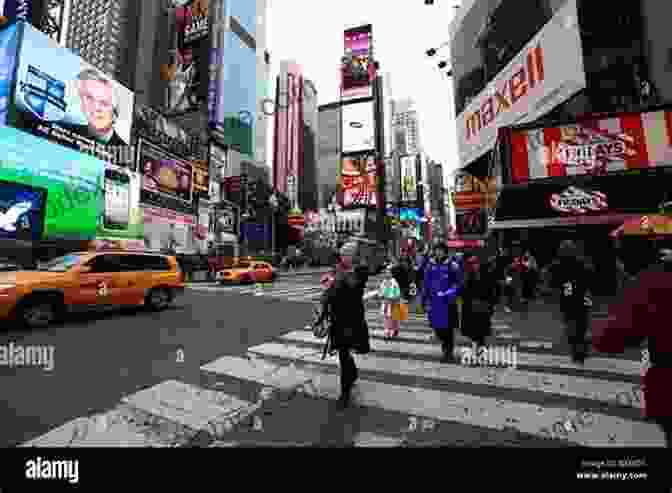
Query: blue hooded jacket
[443, 284]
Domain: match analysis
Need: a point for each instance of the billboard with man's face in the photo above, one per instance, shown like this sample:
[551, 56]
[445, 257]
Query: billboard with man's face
[60, 97]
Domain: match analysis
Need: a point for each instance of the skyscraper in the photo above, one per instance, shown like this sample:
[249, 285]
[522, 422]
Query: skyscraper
[104, 33]
[329, 151]
[308, 199]
[406, 128]
[263, 83]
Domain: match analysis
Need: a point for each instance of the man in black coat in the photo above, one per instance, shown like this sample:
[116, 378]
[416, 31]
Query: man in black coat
[349, 330]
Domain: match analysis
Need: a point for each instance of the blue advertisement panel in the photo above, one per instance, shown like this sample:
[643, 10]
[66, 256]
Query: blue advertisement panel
[8, 47]
[73, 180]
[61, 98]
[233, 91]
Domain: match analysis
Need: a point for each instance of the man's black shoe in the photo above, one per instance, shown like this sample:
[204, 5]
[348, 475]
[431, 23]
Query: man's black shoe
[343, 402]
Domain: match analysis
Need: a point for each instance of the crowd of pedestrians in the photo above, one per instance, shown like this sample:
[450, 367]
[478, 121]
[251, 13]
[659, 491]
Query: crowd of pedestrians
[440, 282]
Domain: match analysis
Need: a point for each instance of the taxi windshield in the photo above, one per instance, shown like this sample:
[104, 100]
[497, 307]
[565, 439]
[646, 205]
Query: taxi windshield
[60, 264]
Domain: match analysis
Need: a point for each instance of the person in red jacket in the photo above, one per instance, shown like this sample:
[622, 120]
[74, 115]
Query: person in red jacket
[643, 313]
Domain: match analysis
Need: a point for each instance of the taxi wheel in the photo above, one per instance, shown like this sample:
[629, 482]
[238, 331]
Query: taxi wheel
[40, 312]
[159, 299]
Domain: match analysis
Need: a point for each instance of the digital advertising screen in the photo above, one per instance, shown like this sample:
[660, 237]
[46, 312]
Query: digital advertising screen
[22, 211]
[410, 214]
[28, 10]
[188, 74]
[167, 230]
[8, 49]
[357, 67]
[358, 127]
[61, 98]
[409, 183]
[358, 181]
[165, 178]
[73, 180]
[121, 214]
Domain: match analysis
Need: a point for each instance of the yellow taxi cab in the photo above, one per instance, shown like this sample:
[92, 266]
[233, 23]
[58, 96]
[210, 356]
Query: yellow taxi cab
[247, 272]
[86, 280]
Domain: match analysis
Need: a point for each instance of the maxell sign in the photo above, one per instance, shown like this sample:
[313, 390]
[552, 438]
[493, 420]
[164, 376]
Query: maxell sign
[546, 72]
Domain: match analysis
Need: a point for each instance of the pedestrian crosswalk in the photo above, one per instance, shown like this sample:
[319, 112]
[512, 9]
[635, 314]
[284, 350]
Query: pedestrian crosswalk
[534, 390]
[298, 290]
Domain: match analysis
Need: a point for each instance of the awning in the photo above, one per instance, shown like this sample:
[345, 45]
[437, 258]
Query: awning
[563, 221]
[646, 225]
[572, 201]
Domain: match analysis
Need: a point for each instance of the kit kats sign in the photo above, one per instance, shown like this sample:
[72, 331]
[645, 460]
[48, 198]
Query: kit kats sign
[573, 200]
[592, 147]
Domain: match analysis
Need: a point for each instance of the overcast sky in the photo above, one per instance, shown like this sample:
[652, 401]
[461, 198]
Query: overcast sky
[311, 32]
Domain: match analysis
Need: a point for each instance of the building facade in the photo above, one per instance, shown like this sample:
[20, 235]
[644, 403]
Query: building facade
[329, 152]
[566, 110]
[104, 33]
[406, 128]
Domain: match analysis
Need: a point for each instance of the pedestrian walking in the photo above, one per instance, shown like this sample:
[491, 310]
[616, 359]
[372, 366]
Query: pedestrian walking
[504, 280]
[529, 276]
[642, 313]
[443, 283]
[391, 306]
[573, 276]
[348, 331]
[479, 298]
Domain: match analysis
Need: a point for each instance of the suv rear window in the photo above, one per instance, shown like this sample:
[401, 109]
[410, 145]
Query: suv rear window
[145, 262]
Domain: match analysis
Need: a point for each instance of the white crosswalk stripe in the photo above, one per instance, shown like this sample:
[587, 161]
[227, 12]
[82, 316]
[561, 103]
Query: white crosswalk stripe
[298, 290]
[592, 405]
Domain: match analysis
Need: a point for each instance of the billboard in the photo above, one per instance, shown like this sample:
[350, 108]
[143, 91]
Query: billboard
[596, 147]
[188, 74]
[232, 92]
[201, 176]
[357, 67]
[121, 214]
[22, 211]
[358, 127]
[358, 181]
[61, 98]
[8, 49]
[167, 230]
[166, 179]
[225, 220]
[74, 182]
[547, 71]
[409, 181]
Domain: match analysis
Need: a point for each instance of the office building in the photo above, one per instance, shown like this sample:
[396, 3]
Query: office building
[263, 83]
[329, 152]
[405, 127]
[104, 33]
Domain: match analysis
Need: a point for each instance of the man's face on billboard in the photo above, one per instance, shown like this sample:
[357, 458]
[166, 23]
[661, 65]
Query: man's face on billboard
[97, 104]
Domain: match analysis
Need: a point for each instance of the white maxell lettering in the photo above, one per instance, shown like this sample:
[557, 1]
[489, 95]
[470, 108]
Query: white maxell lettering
[197, 25]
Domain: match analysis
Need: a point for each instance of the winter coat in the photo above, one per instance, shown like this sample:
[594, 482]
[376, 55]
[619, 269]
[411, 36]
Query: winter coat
[348, 328]
[442, 285]
[574, 278]
[390, 294]
[484, 289]
[642, 312]
[402, 274]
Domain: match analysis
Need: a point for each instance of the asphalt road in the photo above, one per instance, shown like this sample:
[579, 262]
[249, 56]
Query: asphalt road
[98, 358]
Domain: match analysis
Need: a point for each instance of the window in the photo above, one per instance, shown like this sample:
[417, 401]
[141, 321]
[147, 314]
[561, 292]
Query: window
[105, 263]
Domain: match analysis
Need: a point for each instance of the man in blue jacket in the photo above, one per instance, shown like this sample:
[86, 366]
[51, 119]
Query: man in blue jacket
[444, 280]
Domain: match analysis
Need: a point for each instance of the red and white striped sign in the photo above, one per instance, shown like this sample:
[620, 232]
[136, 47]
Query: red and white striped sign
[595, 147]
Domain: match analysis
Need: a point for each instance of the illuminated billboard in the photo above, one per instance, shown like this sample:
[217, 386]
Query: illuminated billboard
[409, 182]
[61, 98]
[358, 127]
[357, 67]
[358, 181]
[187, 75]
